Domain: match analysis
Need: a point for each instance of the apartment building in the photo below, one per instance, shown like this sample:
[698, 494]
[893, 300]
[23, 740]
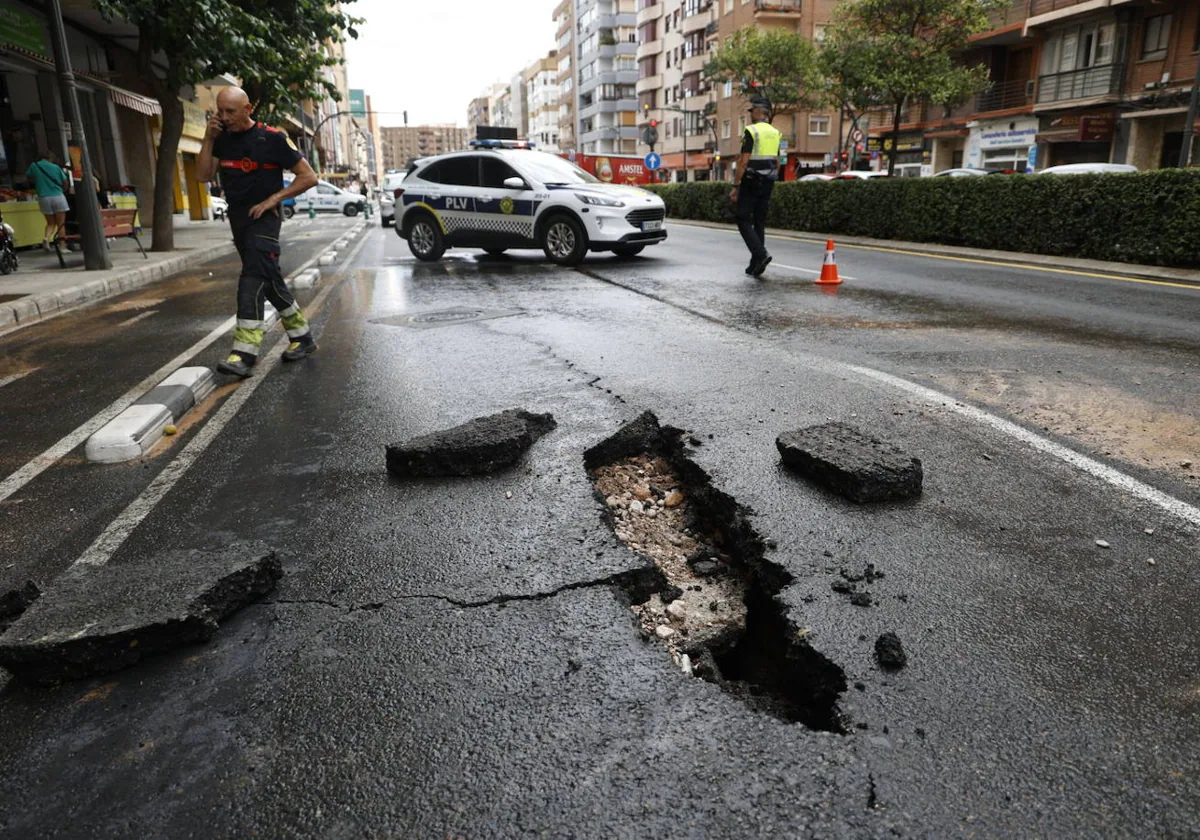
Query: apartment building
[401, 145]
[564, 19]
[603, 53]
[478, 114]
[1073, 81]
[540, 85]
[674, 39]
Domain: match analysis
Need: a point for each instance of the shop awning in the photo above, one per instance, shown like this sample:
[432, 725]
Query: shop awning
[950, 132]
[134, 101]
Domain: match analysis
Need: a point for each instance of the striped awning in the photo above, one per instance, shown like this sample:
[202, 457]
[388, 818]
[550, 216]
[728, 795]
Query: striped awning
[134, 101]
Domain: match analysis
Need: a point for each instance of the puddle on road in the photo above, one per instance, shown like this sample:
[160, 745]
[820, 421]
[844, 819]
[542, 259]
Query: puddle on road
[717, 613]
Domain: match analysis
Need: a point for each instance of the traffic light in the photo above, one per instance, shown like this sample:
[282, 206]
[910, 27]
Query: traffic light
[845, 156]
[654, 123]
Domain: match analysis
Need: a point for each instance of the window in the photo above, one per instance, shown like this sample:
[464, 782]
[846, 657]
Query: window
[1156, 36]
[725, 130]
[727, 91]
[325, 189]
[728, 6]
[456, 171]
[819, 32]
[818, 124]
[494, 172]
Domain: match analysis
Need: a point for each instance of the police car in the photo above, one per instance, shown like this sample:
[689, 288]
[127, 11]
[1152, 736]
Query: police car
[502, 194]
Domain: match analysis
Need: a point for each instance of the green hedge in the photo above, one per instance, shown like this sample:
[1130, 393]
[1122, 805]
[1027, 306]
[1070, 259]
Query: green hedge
[1152, 218]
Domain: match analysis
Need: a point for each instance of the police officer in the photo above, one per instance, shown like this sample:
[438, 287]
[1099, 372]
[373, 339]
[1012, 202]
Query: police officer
[758, 168]
[252, 157]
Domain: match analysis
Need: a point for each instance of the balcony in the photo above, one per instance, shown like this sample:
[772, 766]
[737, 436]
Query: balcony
[695, 63]
[1041, 7]
[775, 8]
[649, 13]
[1088, 83]
[712, 29]
[695, 23]
[1014, 13]
[649, 83]
[648, 49]
[1004, 96]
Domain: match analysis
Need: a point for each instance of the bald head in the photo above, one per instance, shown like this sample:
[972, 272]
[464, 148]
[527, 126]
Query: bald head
[233, 109]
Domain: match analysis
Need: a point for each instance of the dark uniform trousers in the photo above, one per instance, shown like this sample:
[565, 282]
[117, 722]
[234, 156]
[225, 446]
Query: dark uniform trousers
[257, 242]
[754, 198]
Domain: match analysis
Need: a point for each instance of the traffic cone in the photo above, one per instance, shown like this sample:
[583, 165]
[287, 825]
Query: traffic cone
[829, 272]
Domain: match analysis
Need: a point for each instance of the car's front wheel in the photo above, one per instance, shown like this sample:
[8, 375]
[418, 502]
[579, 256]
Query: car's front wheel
[350, 209]
[425, 239]
[564, 240]
[628, 250]
[288, 211]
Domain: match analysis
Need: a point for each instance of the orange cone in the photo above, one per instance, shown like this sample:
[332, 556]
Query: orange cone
[829, 272]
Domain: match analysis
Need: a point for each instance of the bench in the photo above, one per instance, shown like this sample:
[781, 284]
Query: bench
[117, 223]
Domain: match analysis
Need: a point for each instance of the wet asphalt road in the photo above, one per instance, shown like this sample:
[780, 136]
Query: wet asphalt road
[435, 662]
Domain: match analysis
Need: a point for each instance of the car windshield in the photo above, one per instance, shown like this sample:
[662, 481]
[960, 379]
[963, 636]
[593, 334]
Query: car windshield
[548, 169]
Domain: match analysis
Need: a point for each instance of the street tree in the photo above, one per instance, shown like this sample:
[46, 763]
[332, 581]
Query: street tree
[773, 63]
[900, 51]
[273, 45]
[845, 69]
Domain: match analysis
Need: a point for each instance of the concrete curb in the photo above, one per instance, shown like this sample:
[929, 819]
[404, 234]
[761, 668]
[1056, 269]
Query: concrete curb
[131, 433]
[38, 307]
[1144, 272]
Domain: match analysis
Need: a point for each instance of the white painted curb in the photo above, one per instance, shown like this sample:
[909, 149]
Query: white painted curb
[306, 279]
[328, 258]
[131, 433]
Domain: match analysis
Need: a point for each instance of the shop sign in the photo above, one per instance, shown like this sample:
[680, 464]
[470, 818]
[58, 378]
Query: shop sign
[1012, 134]
[874, 144]
[22, 30]
[906, 144]
[1096, 128]
[194, 120]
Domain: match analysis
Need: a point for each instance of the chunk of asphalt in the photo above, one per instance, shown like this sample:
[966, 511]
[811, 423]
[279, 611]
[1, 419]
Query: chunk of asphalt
[482, 445]
[890, 652]
[16, 601]
[852, 464]
[95, 620]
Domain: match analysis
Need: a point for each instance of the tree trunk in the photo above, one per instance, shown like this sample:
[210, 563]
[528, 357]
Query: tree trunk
[164, 174]
[895, 139]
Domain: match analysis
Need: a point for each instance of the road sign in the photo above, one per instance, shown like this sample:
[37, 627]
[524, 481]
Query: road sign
[653, 161]
[783, 144]
[856, 136]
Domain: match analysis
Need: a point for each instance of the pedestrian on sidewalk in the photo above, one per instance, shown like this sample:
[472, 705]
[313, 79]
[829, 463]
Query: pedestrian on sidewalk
[49, 180]
[758, 168]
[251, 157]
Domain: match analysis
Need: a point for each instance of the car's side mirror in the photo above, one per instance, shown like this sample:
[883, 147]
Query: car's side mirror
[515, 184]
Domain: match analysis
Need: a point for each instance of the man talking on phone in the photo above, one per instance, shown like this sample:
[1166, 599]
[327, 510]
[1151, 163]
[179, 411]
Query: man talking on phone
[251, 158]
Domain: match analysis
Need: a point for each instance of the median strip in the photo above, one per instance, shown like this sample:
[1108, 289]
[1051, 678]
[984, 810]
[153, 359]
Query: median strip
[131, 433]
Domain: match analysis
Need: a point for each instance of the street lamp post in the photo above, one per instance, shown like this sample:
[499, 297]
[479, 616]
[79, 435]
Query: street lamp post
[87, 206]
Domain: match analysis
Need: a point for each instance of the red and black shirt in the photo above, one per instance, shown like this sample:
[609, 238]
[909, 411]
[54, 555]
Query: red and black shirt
[252, 163]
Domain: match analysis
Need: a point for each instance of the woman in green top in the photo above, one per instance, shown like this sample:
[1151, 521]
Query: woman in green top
[49, 179]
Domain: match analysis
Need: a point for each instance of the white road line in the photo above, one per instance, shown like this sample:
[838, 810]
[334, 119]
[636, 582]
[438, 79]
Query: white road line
[808, 270]
[114, 536]
[41, 463]
[13, 377]
[137, 318]
[1092, 467]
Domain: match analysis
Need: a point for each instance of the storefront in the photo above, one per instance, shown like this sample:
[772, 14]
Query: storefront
[191, 194]
[1003, 144]
[911, 155]
[1076, 138]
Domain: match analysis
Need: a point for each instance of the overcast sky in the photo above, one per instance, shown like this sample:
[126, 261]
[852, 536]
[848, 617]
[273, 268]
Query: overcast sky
[432, 57]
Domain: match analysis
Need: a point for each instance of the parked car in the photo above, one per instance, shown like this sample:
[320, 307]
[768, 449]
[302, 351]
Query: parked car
[1089, 169]
[327, 197]
[817, 177]
[852, 174]
[969, 173]
[220, 207]
[387, 198]
[498, 196]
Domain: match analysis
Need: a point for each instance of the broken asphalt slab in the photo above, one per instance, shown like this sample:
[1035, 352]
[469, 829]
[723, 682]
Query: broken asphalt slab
[852, 464]
[16, 601]
[95, 620]
[482, 445]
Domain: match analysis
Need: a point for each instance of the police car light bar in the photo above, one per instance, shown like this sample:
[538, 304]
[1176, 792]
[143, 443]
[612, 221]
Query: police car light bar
[502, 144]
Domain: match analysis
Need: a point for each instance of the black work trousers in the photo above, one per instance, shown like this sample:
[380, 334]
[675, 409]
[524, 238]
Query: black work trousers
[257, 242]
[754, 198]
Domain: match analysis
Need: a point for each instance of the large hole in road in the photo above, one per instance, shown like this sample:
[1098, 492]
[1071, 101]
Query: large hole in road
[716, 611]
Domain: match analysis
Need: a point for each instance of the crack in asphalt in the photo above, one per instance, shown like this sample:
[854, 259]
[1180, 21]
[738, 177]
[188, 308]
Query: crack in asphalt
[617, 581]
[591, 381]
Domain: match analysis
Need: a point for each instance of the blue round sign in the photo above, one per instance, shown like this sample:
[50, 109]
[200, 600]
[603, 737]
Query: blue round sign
[653, 161]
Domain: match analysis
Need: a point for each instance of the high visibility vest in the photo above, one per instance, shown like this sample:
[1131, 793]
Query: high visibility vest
[765, 157]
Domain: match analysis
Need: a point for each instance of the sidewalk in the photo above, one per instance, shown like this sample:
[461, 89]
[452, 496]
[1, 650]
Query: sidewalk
[1190, 277]
[41, 289]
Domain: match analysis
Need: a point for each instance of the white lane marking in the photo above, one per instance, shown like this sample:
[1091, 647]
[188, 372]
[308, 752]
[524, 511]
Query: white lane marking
[114, 536]
[1092, 467]
[41, 463]
[809, 270]
[13, 377]
[137, 318]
